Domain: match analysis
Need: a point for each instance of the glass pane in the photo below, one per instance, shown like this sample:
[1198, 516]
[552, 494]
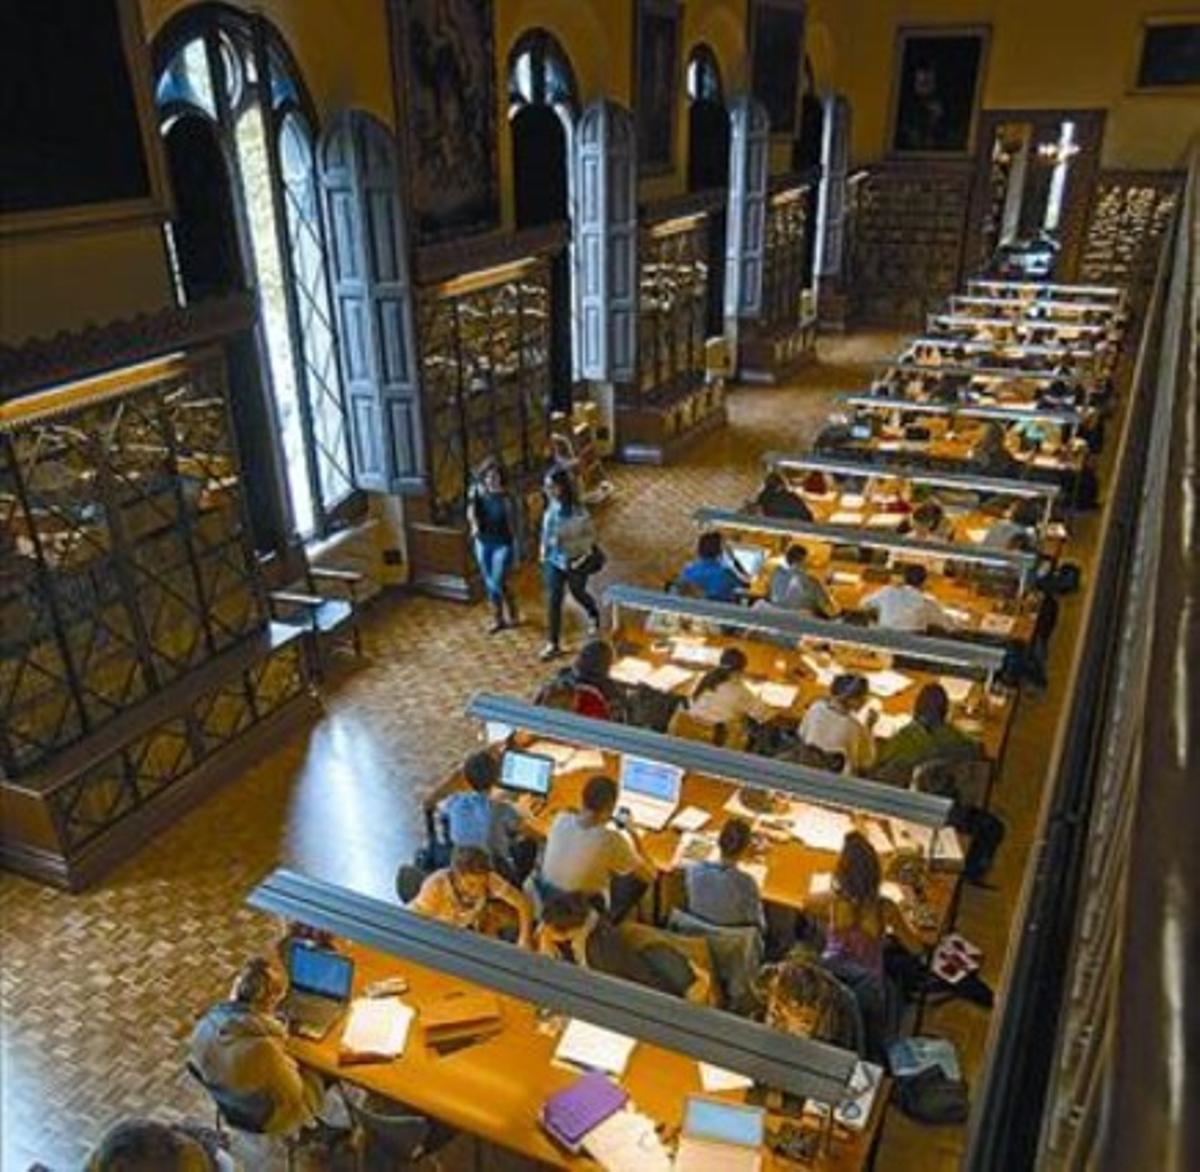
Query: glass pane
[186, 79]
[316, 314]
[260, 215]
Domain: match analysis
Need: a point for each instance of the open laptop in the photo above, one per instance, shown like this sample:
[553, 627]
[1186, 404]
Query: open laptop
[649, 791]
[319, 983]
[720, 1137]
[749, 559]
[527, 773]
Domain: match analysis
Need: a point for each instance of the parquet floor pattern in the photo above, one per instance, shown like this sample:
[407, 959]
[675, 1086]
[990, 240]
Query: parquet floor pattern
[98, 991]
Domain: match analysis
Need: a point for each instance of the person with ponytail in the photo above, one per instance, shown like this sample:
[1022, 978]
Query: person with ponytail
[724, 698]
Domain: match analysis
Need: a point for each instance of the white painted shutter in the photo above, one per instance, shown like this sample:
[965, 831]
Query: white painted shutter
[373, 294]
[745, 241]
[831, 203]
[605, 235]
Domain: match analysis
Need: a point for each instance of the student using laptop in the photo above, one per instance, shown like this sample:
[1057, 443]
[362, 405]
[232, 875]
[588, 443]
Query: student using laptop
[908, 607]
[723, 698]
[460, 893]
[794, 588]
[585, 854]
[240, 1047]
[710, 573]
[721, 893]
[474, 817]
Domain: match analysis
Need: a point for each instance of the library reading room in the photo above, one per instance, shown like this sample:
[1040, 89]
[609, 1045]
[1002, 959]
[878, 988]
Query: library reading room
[604, 585]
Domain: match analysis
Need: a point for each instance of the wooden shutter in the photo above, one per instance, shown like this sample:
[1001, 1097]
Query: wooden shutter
[373, 293]
[745, 242]
[605, 232]
[831, 204]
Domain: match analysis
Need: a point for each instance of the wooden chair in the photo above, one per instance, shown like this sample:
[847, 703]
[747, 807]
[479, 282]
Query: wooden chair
[327, 608]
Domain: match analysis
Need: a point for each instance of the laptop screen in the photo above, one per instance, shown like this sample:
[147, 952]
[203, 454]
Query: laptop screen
[319, 971]
[749, 558]
[728, 1123]
[527, 772]
[651, 779]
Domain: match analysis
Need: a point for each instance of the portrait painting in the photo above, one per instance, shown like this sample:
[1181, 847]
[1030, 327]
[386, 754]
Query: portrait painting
[936, 86]
[778, 52]
[657, 81]
[1170, 54]
[449, 70]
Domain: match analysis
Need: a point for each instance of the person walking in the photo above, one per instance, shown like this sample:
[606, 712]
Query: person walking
[569, 555]
[494, 516]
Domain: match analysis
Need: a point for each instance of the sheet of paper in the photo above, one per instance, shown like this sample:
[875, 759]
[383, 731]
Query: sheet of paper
[911, 836]
[776, 695]
[1057, 530]
[885, 520]
[821, 829]
[821, 883]
[594, 1048]
[669, 677]
[825, 675]
[879, 838]
[377, 1026]
[695, 652]
[631, 670]
[845, 578]
[947, 846]
[627, 1141]
[892, 891]
[561, 755]
[889, 445]
[756, 871]
[845, 518]
[997, 624]
[690, 818]
[964, 618]
[888, 683]
[957, 689]
[591, 760]
[853, 500]
[976, 535]
[715, 1079]
[496, 732]
[888, 724]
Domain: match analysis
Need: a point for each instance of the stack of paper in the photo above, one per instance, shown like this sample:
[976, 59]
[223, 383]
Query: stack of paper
[376, 1030]
[594, 1048]
[627, 1141]
[631, 670]
[821, 829]
[957, 689]
[888, 683]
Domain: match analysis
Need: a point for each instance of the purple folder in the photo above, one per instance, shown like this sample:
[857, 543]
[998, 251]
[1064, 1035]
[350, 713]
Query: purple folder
[570, 1114]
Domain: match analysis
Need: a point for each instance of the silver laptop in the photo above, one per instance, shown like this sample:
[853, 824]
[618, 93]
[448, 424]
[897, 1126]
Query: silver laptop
[319, 984]
[720, 1137]
[649, 791]
[749, 559]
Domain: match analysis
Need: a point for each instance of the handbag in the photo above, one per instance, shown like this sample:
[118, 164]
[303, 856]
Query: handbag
[931, 1097]
[590, 563]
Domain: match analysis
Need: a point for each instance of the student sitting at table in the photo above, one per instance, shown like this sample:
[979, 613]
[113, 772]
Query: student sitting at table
[474, 817]
[584, 854]
[720, 892]
[837, 724]
[723, 698]
[239, 1049]
[587, 687]
[718, 581]
[930, 523]
[928, 736]
[856, 920]
[461, 893]
[907, 607]
[1018, 529]
[775, 499]
[794, 588]
[989, 456]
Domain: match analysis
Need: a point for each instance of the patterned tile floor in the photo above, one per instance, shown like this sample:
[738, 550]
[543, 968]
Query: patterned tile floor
[98, 991]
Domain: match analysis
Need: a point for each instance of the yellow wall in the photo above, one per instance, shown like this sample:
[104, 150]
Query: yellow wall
[1043, 54]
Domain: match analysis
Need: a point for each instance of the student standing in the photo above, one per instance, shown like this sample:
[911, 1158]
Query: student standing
[493, 516]
[568, 544]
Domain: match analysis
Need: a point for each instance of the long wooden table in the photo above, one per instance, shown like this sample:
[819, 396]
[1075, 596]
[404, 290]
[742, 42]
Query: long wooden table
[494, 1088]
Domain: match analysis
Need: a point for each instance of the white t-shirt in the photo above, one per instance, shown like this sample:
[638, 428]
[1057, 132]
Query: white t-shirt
[729, 702]
[831, 730]
[905, 608]
[585, 858]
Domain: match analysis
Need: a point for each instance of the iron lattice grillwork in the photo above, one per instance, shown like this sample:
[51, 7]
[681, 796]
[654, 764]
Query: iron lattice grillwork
[123, 781]
[123, 557]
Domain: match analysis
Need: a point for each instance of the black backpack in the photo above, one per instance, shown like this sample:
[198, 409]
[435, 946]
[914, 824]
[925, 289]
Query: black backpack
[931, 1097]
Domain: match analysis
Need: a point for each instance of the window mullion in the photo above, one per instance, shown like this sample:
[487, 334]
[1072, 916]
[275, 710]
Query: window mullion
[283, 245]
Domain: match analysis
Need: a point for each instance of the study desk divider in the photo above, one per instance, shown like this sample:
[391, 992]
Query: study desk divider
[1045, 290]
[1001, 413]
[1046, 375]
[1023, 305]
[1016, 563]
[781, 1061]
[1027, 324]
[1022, 349]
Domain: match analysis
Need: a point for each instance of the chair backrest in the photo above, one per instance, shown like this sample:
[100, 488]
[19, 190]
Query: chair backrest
[684, 724]
[815, 758]
[655, 944]
[968, 780]
[401, 1135]
[737, 955]
[408, 882]
[243, 1111]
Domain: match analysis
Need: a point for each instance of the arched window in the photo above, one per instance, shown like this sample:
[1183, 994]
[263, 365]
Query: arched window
[704, 76]
[235, 73]
[539, 74]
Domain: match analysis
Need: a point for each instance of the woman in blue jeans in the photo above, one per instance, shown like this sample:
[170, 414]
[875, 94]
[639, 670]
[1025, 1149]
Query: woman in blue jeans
[494, 518]
[568, 537]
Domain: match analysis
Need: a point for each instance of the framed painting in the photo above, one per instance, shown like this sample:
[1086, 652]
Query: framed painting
[446, 59]
[777, 37]
[1168, 59]
[81, 143]
[656, 50]
[937, 81]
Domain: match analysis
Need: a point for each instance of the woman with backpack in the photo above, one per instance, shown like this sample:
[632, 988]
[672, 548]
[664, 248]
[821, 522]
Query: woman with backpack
[569, 555]
[493, 516]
